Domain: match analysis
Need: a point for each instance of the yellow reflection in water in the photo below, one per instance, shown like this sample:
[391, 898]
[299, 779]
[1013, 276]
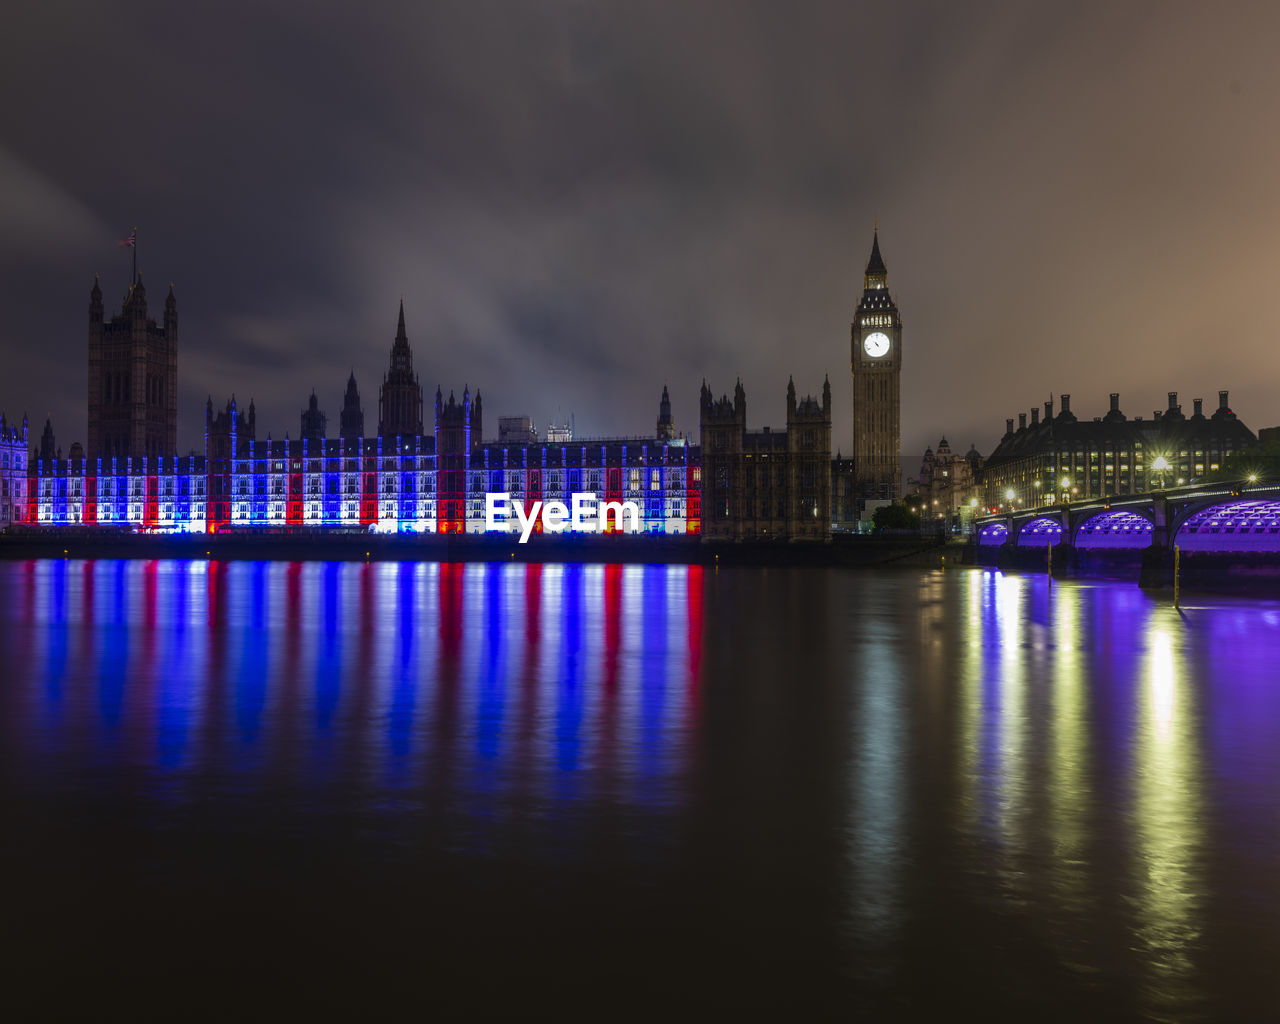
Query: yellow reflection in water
[1070, 781]
[1167, 818]
[1010, 761]
[978, 605]
[993, 718]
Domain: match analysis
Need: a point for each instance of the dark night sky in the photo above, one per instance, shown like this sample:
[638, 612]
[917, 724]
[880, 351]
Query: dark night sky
[581, 202]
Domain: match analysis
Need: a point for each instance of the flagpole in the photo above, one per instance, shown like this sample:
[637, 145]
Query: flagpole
[134, 247]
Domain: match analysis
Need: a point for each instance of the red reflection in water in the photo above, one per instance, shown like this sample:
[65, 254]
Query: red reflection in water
[532, 603]
[216, 588]
[451, 578]
[88, 610]
[527, 721]
[694, 593]
[364, 650]
[608, 731]
[451, 608]
[612, 624]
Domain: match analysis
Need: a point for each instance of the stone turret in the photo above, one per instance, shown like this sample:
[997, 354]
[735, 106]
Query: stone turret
[400, 403]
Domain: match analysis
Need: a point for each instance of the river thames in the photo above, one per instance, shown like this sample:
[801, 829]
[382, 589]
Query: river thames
[614, 791]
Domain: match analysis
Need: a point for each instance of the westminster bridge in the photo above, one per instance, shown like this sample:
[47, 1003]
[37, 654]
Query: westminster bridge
[1211, 534]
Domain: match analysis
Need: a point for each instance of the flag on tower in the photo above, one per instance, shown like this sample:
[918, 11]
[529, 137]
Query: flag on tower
[130, 242]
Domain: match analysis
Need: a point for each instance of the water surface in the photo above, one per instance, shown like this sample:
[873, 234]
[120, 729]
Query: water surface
[620, 791]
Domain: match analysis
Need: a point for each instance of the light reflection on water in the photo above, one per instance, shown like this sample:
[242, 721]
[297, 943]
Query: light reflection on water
[1066, 795]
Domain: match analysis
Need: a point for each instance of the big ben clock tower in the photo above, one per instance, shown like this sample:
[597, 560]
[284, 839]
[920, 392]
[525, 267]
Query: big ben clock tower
[876, 362]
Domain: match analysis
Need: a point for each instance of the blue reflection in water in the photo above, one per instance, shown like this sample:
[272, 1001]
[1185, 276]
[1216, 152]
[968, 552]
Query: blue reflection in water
[404, 676]
[245, 667]
[113, 666]
[1062, 756]
[492, 681]
[255, 650]
[56, 614]
[569, 696]
[653, 675]
[174, 709]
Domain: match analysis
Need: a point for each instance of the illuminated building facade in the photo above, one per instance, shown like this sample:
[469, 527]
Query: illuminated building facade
[1060, 457]
[413, 476]
[433, 483]
[162, 494]
[947, 480]
[766, 484]
[13, 472]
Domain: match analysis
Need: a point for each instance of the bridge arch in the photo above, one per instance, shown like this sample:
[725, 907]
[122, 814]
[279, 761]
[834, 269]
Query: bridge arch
[1114, 528]
[1242, 525]
[993, 533]
[1039, 532]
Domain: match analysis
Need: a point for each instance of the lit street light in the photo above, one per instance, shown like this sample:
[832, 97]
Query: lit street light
[1161, 466]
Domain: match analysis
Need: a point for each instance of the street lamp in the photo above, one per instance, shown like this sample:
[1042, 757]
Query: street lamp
[1161, 466]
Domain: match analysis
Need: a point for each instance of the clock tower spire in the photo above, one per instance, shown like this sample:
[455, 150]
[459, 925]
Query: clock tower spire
[876, 365]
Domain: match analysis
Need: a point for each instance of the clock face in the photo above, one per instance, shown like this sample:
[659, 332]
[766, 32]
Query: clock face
[876, 344]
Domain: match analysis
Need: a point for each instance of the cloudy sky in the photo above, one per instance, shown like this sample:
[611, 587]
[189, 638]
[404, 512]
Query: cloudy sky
[581, 202]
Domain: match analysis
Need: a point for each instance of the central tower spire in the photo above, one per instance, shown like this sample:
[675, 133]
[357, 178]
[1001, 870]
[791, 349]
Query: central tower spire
[400, 403]
[876, 275]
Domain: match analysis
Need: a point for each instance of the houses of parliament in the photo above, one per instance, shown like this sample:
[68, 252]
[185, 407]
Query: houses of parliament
[427, 468]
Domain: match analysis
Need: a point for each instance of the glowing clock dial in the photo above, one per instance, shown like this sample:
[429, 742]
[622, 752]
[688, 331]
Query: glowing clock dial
[876, 344]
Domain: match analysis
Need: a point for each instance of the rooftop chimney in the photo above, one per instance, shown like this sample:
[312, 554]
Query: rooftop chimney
[1048, 410]
[1199, 404]
[1008, 426]
[1066, 403]
[1173, 400]
[1115, 401]
[1035, 417]
[1222, 400]
[1022, 421]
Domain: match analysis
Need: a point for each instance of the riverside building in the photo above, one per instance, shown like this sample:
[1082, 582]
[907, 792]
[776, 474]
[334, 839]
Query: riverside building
[1062, 458]
[429, 468]
[401, 481]
[13, 472]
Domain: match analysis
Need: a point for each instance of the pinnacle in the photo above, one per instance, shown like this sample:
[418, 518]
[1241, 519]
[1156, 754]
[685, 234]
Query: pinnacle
[875, 265]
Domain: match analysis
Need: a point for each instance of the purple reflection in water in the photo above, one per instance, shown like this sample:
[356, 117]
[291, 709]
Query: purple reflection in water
[668, 777]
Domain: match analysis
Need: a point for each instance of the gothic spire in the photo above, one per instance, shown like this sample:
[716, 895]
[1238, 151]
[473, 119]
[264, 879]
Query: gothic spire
[875, 265]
